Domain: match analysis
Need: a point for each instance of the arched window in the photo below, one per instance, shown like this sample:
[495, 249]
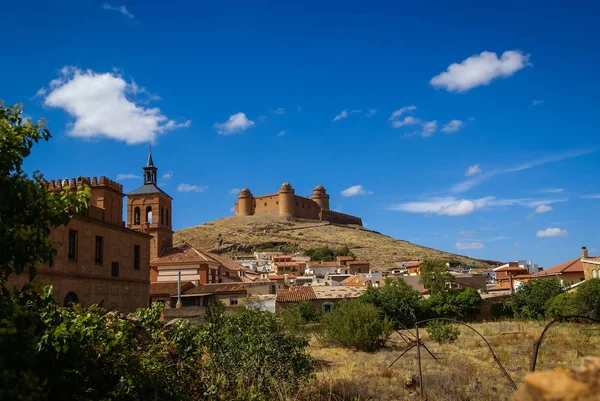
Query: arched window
[71, 299]
[594, 273]
[168, 221]
[136, 216]
[149, 214]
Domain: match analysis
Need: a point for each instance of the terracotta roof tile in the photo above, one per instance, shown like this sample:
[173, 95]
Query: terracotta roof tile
[296, 294]
[227, 263]
[206, 289]
[333, 292]
[324, 264]
[572, 266]
[168, 289]
[283, 264]
[182, 254]
[276, 276]
[358, 262]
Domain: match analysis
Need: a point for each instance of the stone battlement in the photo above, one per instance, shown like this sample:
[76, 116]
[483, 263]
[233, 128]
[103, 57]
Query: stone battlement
[72, 183]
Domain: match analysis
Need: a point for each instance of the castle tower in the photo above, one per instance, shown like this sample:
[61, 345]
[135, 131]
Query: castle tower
[149, 210]
[320, 197]
[286, 200]
[245, 206]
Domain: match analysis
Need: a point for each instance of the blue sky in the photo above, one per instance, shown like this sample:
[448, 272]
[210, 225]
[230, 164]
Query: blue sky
[469, 126]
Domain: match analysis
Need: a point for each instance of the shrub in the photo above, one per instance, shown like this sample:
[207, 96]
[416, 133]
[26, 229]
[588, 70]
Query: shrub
[326, 254]
[442, 331]
[529, 300]
[462, 304]
[397, 301]
[587, 298]
[561, 305]
[434, 276]
[356, 325]
[502, 308]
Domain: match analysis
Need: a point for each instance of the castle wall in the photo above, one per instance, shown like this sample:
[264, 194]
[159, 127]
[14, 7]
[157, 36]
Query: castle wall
[340, 218]
[305, 208]
[266, 203]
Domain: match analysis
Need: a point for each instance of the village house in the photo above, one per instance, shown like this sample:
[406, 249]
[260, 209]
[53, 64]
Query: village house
[591, 264]
[229, 294]
[322, 297]
[321, 269]
[570, 272]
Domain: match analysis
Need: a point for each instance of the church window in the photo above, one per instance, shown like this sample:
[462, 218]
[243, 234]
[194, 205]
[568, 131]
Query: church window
[136, 216]
[149, 214]
[594, 273]
[73, 244]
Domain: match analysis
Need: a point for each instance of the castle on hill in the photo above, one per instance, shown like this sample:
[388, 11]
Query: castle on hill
[286, 203]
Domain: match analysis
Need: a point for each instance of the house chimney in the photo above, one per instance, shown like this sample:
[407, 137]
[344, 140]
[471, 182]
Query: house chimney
[510, 282]
[584, 252]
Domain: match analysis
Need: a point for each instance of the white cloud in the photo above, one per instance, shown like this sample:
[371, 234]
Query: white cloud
[543, 209]
[279, 110]
[473, 170]
[121, 9]
[234, 191]
[299, 108]
[190, 188]
[550, 191]
[473, 182]
[429, 128]
[40, 93]
[408, 120]
[463, 246]
[451, 206]
[552, 232]
[100, 105]
[127, 177]
[479, 70]
[537, 102]
[281, 133]
[592, 196]
[464, 233]
[398, 113]
[355, 190]
[237, 122]
[498, 238]
[516, 243]
[371, 112]
[345, 114]
[167, 176]
[453, 126]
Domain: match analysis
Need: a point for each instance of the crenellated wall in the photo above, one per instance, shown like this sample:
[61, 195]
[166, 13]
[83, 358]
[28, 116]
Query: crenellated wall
[286, 203]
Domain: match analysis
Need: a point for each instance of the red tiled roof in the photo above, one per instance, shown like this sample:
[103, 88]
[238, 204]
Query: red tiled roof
[358, 262]
[512, 269]
[500, 287]
[572, 266]
[182, 254]
[227, 263]
[296, 294]
[206, 289]
[283, 257]
[276, 277]
[168, 289]
[324, 264]
[283, 264]
[341, 258]
[290, 276]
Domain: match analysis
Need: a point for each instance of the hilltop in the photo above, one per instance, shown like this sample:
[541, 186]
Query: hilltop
[267, 232]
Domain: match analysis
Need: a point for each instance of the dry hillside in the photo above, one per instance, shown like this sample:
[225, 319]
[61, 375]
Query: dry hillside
[243, 234]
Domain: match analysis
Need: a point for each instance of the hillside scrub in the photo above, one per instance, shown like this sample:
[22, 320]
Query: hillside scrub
[51, 352]
[325, 254]
[355, 325]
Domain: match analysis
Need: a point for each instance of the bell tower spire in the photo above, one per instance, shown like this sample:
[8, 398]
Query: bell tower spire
[150, 171]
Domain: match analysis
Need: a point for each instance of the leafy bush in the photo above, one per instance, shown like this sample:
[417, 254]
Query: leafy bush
[502, 308]
[50, 352]
[587, 298]
[298, 315]
[561, 305]
[529, 300]
[356, 325]
[397, 301]
[326, 254]
[462, 304]
[434, 276]
[442, 331]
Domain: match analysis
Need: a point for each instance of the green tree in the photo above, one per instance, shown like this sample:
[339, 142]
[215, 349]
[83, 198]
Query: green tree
[587, 298]
[396, 300]
[530, 298]
[326, 254]
[28, 211]
[561, 305]
[434, 276]
[356, 325]
[462, 304]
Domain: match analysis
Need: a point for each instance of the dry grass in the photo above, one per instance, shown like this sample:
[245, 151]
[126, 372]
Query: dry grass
[265, 231]
[466, 370]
